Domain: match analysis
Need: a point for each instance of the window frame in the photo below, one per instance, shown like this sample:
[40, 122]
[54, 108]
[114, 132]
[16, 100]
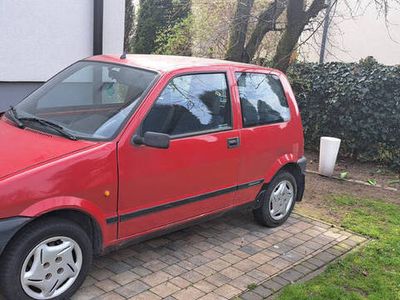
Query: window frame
[196, 133]
[240, 100]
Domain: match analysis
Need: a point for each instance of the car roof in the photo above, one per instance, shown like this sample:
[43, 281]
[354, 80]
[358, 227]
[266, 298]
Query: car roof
[167, 63]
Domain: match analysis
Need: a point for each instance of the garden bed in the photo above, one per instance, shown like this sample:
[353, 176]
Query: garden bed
[368, 173]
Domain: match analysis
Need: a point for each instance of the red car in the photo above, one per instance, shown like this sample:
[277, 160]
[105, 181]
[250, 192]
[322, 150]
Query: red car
[119, 149]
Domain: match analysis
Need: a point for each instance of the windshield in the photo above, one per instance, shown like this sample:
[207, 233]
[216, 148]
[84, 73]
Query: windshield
[89, 100]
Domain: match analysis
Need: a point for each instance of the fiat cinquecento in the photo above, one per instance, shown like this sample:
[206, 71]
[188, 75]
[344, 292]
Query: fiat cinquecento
[119, 149]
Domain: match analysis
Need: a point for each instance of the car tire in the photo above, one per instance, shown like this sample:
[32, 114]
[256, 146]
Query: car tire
[278, 200]
[49, 259]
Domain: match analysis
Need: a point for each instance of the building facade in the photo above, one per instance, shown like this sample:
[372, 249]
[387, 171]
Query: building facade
[39, 38]
[356, 31]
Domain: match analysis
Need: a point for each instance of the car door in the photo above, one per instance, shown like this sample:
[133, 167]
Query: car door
[197, 174]
[264, 136]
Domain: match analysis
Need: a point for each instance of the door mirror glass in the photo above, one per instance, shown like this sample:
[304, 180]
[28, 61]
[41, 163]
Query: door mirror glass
[153, 139]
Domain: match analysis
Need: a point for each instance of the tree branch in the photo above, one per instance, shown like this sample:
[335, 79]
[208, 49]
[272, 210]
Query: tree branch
[297, 18]
[266, 23]
[314, 9]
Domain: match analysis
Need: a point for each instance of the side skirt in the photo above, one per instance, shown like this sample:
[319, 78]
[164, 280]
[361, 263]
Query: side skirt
[177, 227]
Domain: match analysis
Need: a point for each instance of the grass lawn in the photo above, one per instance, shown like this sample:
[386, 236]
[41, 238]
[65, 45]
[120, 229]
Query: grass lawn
[372, 272]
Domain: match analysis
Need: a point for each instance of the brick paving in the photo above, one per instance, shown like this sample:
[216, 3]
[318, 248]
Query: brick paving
[230, 257]
[302, 271]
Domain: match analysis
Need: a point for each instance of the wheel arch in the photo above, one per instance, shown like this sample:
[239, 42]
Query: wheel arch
[82, 219]
[294, 166]
[87, 222]
[80, 211]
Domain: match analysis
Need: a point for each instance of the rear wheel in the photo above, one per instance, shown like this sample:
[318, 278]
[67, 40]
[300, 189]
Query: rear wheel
[47, 260]
[278, 201]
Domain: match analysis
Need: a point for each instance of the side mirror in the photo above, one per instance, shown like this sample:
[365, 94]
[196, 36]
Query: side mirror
[152, 139]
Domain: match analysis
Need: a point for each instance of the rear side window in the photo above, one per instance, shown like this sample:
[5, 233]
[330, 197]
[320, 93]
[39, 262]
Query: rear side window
[191, 104]
[262, 99]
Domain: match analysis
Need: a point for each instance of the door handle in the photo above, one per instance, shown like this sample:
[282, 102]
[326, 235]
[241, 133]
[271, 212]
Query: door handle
[233, 142]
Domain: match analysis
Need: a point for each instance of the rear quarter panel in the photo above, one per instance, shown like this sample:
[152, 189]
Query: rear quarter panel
[266, 149]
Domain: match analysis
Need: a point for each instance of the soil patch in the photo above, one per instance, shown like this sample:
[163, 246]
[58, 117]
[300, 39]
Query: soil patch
[318, 188]
[359, 171]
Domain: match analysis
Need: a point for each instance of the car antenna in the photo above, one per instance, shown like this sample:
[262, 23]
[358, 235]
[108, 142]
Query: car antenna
[123, 56]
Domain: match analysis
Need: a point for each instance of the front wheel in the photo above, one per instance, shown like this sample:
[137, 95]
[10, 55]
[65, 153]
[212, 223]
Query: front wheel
[278, 201]
[47, 260]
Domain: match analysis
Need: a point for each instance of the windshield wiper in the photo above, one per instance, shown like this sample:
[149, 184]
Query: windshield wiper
[50, 124]
[14, 116]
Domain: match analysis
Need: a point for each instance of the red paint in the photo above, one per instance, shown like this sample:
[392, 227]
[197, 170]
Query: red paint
[40, 173]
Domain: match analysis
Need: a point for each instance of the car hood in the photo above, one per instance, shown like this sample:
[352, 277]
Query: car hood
[21, 149]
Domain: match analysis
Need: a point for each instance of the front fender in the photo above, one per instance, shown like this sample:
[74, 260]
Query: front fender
[45, 206]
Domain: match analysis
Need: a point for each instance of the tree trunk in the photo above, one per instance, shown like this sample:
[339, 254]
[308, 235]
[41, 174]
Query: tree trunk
[297, 19]
[237, 34]
[266, 23]
[129, 23]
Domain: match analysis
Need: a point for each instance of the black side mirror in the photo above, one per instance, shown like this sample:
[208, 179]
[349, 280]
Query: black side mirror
[152, 139]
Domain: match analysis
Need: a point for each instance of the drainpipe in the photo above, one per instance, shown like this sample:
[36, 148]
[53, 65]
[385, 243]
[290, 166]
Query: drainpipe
[98, 8]
[325, 32]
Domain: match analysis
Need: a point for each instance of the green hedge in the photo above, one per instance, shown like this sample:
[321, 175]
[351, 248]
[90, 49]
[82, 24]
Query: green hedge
[357, 102]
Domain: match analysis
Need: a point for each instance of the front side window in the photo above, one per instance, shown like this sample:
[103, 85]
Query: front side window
[262, 99]
[191, 104]
[89, 100]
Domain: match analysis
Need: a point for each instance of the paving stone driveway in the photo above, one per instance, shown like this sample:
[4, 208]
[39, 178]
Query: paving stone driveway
[218, 259]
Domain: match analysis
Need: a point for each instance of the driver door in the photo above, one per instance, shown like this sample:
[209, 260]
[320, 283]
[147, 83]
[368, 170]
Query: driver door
[197, 174]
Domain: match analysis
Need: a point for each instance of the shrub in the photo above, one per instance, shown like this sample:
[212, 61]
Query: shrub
[154, 16]
[356, 102]
[177, 39]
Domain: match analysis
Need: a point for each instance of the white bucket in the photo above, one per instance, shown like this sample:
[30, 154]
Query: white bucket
[328, 151]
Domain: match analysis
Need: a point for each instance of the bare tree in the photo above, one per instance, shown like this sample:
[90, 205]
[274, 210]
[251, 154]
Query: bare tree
[238, 32]
[266, 23]
[297, 18]
[250, 28]
[238, 50]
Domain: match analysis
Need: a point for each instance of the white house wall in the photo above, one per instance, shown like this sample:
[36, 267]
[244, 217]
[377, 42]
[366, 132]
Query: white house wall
[114, 26]
[364, 34]
[38, 38]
